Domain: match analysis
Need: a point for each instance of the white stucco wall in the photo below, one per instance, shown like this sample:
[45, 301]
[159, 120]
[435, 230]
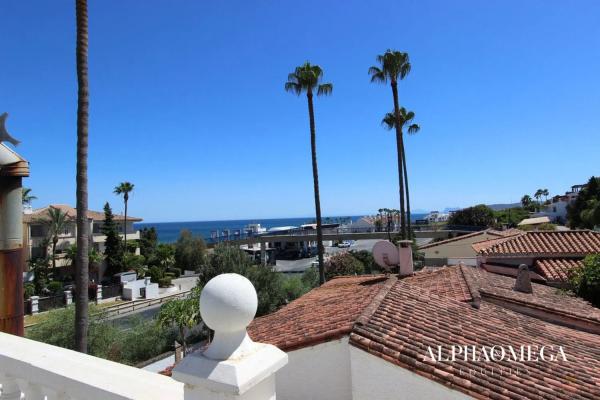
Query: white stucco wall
[374, 378]
[318, 372]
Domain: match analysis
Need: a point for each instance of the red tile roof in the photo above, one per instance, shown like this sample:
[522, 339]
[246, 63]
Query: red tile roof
[557, 269]
[445, 281]
[42, 213]
[323, 314]
[410, 320]
[492, 232]
[574, 243]
[397, 320]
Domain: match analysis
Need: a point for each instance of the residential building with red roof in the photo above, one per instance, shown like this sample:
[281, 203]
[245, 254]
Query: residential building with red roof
[378, 337]
[549, 255]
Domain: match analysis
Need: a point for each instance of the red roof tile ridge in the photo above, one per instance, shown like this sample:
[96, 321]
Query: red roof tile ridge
[472, 285]
[370, 309]
[468, 235]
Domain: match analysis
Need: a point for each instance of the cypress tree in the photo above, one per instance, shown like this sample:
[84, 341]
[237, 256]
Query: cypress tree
[113, 251]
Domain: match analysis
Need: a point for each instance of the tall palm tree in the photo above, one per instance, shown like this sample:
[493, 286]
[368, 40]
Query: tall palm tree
[56, 222]
[125, 188]
[526, 201]
[394, 66]
[27, 196]
[307, 78]
[389, 121]
[545, 193]
[538, 195]
[83, 100]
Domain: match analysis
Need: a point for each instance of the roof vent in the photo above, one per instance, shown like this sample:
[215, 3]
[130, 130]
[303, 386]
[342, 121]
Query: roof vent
[523, 282]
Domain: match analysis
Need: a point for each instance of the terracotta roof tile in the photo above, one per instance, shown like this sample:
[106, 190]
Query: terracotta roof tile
[411, 319]
[323, 314]
[445, 281]
[557, 269]
[454, 239]
[544, 244]
[41, 214]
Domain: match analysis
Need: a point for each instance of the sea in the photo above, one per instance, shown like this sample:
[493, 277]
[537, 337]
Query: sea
[168, 232]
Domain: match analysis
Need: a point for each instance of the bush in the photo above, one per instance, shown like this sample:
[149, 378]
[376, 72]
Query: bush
[310, 278]
[294, 287]
[343, 264]
[169, 275]
[541, 227]
[366, 258]
[142, 341]
[28, 290]
[155, 274]
[586, 280]
[164, 282]
[55, 287]
[175, 271]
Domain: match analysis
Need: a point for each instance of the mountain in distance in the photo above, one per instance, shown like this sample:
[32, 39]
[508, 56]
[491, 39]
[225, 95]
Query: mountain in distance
[501, 206]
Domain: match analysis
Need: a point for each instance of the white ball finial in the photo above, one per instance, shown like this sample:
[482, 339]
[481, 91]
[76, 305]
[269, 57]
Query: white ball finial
[228, 304]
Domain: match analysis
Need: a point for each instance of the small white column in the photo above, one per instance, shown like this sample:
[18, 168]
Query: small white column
[233, 366]
[98, 293]
[34, 304]
[68, 297]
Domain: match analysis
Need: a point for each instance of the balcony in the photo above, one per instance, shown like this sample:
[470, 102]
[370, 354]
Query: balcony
[231, 367]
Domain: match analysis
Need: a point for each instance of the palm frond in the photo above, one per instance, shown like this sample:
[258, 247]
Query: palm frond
[413, 129]
[293, 87]
[325, 89]
[377, 75]
[389, 121]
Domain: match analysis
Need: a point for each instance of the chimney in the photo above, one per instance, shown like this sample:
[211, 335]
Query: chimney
[523, 282]
[406, 260]
[233, 366]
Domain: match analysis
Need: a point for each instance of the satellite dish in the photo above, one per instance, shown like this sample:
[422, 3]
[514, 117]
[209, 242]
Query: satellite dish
[386, 255]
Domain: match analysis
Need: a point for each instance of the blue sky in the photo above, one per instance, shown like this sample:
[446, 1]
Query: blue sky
[187, 102]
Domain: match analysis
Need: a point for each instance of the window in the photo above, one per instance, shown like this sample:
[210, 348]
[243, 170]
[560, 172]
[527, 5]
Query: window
[37, 231]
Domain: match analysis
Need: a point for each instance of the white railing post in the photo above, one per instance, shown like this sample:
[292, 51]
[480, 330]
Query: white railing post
[68, 297]
[35, 304]
[233, 366]
[98, 293]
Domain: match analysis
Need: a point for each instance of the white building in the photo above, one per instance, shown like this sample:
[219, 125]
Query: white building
[557, 209]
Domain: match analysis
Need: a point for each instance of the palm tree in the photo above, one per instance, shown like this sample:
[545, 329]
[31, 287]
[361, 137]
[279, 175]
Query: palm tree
[545, 193]
[526, 201]
[394, 66]
[27, 196]
[307, 78]
[538, 195]
[124, 188]
[389, 121]
[83, 99]
[56, 222]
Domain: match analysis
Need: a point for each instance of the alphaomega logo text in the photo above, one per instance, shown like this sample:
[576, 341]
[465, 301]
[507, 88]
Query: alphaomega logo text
[498, 353]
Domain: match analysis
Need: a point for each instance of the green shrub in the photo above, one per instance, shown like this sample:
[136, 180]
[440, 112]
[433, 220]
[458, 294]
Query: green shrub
[189, 251]
[366, 258]
[156, 273]
[310, 278]
[343, 264]
[294, 287]
[55, 287]
[586, 280]
[169, 275]
[28, 290]
[164, 282]
[175, 271]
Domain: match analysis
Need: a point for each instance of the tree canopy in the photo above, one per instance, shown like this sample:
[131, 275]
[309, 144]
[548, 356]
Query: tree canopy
[584, 212]
[479, 215]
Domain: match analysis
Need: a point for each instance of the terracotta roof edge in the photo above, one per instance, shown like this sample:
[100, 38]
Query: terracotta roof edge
[472, 286]
[369, 310]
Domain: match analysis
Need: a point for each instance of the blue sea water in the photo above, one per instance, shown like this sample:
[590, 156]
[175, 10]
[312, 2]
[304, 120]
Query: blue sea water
[168, 232]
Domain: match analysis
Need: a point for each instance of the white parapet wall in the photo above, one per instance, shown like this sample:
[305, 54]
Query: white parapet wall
[37, 369]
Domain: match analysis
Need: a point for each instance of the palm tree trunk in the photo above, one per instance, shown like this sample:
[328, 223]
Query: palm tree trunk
[313, 148]
[125, 227]
[408, 228]
[399, 147]
[81, 306]
[54, 240]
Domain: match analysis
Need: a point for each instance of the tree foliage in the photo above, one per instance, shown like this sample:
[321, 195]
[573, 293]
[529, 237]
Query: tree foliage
[586, 280]
[479, 215]
[189, 251]
[148, 242]
[343, 264]
[584, 212]
[113, 251]
[182, 313]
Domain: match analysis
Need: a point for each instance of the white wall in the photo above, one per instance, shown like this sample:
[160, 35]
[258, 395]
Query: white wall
[318, 372]
[374, 378]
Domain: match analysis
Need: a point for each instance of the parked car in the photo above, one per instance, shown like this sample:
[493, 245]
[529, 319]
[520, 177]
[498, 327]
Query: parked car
[345, 244]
